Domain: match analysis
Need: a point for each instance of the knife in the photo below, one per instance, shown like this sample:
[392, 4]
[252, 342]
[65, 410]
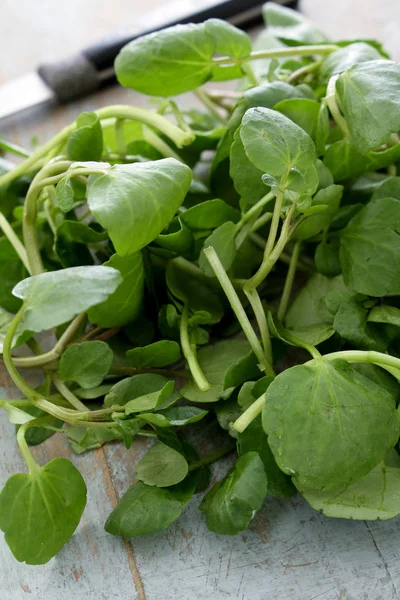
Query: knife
[91, 69]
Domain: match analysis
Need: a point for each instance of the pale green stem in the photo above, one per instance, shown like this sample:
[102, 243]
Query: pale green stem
[189, 353]
[276, 53]
[261, 221]
[8, 361]
[330, 100]
[359, 356]
[120, 136]
[179, 137]
[238, 309]
[14, 241]
[158, 143]
[47, 212]
[287, 289]
[304, 71]
[249, 415]
[261, 319]
[13, 149]
[209, 104]
[68, 395]
[26, 453]
[270, 257]
[247, 69]
[254, 210]
[59, 347]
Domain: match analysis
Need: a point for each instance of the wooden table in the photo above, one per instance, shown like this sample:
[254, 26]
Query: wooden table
[289, 552]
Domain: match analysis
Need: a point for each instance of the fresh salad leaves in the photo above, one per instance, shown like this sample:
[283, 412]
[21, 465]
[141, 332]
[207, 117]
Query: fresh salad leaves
[232, 269]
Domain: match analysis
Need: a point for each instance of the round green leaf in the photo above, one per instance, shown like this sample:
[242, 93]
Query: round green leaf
[86, 363]
[39, 512]
[274, 144]
[162, 466]
[327, 424]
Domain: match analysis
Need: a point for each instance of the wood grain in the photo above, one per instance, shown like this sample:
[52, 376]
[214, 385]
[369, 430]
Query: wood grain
[290, 552]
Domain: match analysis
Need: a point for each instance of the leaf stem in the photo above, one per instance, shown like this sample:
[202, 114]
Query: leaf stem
[68, 395]
[209, 104]
[8, 361]
[54, 353]
[277, 52]
[262, 323]
[330, 100]
[287, 289]
[189, 353]
[14, 241]
[305, 70]
[254, 210]
[120, 136]
[213, 457]
[367, 356]
[238, 309]
[13, 148]
[271, 256]
[249, 415]
[178, 136]
[23, 446]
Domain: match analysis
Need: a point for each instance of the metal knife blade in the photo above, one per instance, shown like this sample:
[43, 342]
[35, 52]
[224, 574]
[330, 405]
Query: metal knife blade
[80, 75]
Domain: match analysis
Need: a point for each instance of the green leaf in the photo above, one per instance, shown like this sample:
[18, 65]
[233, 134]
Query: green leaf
[20, 337]
[302, 111]
[83, 439]
[370, 249]
[69, 192]
[228, 40]
[253, 439]
[133, 517]
[86, 363]
[231, 504]
[274, 144]
[288, 24]
[178, 416]
[134, 202]
[11, 272]
[246, 178]
[314, 439]
[308, 317]
[385, 314]
[159, 354]
[375, 496]
[136, 387]
[162, 466]
[86, 142]
[345, 161]
[372, 116]
[197, 292]
[176, 237]
[71, 243]
[222, 240]
[242, 370]
[389, 188]
[151, 400]
[56, 297]
[327, 261]
[55, 497]
[351, 323]
[344, 58]
[215, 362]
[125, 304]
[210, 214]
[168, 62]
[314, 224]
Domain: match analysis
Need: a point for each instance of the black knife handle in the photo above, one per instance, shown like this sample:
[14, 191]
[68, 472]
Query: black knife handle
[80, 75]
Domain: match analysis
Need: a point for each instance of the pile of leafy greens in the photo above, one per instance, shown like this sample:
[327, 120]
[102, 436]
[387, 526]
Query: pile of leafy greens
[238, 263]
